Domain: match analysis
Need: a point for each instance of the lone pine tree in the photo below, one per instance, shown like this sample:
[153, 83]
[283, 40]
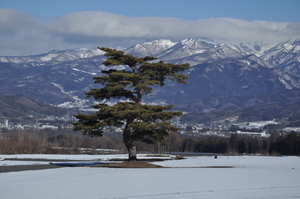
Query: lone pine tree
[147, 123]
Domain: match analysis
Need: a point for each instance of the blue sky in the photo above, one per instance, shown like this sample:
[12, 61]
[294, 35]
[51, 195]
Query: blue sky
[38, 26]
[267, 10]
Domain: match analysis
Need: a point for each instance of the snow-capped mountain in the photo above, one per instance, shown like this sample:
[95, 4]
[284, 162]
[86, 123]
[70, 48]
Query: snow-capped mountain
[285, 55]
[219, 68]
[54, 56]
[150, 48]
[245, 76]
[281, 54]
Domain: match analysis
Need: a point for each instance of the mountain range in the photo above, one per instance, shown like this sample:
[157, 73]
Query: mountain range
[224, 76]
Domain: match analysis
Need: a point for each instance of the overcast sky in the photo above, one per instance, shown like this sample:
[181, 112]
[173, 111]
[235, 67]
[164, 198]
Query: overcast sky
[35, 26]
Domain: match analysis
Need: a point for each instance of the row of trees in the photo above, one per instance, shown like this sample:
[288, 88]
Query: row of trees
[40, 142]
[53, 142]
[277, 144]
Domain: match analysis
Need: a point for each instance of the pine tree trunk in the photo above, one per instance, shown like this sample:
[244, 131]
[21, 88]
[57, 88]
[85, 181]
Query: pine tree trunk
[129, 143]
[132, 153]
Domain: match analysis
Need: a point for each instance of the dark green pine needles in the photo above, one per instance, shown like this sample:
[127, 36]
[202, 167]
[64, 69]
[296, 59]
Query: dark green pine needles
[148, 123]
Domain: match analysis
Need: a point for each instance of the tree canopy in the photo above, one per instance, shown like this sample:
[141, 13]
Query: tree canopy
[147, 123]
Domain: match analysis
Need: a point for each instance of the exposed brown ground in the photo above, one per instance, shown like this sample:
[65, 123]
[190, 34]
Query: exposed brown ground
[127, 164]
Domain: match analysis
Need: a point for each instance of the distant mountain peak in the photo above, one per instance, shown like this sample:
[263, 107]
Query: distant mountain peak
[150, 48]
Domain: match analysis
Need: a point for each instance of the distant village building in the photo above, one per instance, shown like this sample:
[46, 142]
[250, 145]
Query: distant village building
[254, 134]
[6, 123]
[49, 127]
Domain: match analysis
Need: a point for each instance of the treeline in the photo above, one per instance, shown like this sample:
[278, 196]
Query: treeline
[48, 142]
[40, 142]
[276, 144]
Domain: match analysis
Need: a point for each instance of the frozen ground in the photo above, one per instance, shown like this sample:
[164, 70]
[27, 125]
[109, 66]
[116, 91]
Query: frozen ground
[251, 177]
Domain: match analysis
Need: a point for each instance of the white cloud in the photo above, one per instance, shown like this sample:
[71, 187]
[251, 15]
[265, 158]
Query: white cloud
[24, 34]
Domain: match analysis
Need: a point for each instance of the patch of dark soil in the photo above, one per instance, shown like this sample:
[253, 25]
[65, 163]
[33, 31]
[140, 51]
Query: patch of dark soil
[152, 159]
[4, 169]
[139, 160]
[130, 164]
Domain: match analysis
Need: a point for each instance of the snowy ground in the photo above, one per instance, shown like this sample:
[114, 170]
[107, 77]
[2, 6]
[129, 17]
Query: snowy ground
[251, 177]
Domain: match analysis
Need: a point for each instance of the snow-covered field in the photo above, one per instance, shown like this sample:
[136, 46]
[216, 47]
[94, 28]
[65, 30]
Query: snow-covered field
[251, 177]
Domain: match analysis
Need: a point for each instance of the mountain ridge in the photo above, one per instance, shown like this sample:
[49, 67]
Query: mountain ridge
[218, 69]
